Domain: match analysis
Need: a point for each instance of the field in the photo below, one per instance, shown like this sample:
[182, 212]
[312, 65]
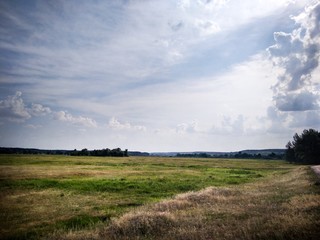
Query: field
[64, 197]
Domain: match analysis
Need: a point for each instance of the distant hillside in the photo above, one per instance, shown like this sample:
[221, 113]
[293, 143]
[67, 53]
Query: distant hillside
[265, 152]
[250, 153]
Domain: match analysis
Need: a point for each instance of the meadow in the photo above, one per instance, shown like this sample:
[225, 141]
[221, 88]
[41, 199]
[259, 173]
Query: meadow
[69, 197]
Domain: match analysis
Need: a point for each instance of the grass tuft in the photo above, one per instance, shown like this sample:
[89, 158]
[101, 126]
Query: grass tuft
[131, 226]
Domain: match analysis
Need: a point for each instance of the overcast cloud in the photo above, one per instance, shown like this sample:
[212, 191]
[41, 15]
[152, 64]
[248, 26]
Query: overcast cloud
[220, 75]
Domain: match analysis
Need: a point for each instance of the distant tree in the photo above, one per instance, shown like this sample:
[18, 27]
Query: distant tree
[304, 148]
[117, 152]
[84, 152]
[74, 152]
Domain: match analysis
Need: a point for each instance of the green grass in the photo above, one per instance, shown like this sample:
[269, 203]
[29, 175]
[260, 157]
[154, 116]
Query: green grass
[163, 184]
[45, 193]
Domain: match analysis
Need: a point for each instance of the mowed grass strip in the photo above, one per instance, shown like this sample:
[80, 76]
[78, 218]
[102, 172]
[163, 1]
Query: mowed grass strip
[283, 207]
[42, 193]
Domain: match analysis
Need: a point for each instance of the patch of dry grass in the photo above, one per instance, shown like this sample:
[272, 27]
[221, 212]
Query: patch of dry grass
[29, 212]
[283, 207]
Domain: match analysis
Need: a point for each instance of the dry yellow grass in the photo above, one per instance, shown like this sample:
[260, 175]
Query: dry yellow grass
[22, 210]
[39, 172]
[285, 207]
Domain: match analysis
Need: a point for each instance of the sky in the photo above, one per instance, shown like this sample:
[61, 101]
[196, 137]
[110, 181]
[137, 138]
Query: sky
[158, 76]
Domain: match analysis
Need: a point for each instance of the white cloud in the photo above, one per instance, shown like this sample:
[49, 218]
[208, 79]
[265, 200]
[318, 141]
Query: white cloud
[116, 125]
[213, 4]
[308, 119]
[297, 101]
[278, 121]
[231, 126]
[80, 120]
[298, 53]
[39, 110]
[207, 27]
[296, 98]
[184, 4]
[13, 108]
[188, 127]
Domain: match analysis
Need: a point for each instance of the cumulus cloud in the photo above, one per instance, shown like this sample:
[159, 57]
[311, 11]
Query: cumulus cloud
[309, 119]
[278, 120]
[281, 121]
[80, 120]
[313, 119]
[230, 125]
[116, 125]
[300, 101]
[14, 109]
[234, 125]
[298, 53]
[187, 127]
[39, 110]
[207, 27]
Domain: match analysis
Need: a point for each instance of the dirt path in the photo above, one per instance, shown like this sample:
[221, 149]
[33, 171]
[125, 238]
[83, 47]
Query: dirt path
[316, 169]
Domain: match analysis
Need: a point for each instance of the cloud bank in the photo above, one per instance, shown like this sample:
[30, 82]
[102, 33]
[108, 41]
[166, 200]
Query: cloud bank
[67, 117]
[298, 53]
[14, 109]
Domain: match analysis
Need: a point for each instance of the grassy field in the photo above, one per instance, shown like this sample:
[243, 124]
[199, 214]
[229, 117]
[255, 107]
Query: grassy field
[64, 197]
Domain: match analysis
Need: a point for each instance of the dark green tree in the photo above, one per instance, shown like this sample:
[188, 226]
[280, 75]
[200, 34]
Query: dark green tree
[289, 154]
[304, 148]
[84, 152]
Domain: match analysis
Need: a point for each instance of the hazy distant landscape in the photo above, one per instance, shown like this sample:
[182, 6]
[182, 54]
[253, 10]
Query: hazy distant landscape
[256, 154]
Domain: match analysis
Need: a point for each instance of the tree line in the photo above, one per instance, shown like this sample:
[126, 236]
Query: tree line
[117, 152]
[304, 148]
[238, 155]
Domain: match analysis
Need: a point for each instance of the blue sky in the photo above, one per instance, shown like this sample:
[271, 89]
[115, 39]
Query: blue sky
[149, 75]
